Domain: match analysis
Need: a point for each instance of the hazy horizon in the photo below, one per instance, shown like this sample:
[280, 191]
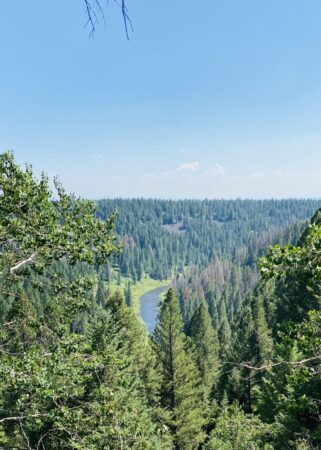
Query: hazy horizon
[208, 199]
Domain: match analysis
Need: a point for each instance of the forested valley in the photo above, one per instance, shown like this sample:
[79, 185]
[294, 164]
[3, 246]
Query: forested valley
[234, 360]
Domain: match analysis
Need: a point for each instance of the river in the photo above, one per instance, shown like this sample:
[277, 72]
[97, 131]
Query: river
[149, 307]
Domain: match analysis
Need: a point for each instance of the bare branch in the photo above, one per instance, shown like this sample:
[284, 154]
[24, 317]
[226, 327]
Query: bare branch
[25, 436]
[94, 10]
[19, 418]
[42, 438]
[7, 324]
[22, 263]
[126, 18]
[92, 15]
[280, 363]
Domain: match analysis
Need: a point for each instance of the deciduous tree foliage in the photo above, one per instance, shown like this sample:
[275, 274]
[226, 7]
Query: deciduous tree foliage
[236, 430]
[37, 228]
[60, 389]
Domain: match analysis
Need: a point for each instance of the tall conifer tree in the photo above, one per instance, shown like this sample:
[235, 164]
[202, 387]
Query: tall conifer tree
[206, 347]
[180, 386]
[224, 334]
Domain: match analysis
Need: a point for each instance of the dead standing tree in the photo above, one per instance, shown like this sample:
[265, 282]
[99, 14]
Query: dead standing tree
[95, 11]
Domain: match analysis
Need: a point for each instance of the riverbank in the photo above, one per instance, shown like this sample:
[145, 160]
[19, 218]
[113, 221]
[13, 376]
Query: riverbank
[142, 287]
[149, 303]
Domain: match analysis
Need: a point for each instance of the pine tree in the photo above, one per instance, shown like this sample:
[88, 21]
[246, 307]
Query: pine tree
[263, 334]
[135, 346]
[224, 334]
[107, 272]
[251, 342]
[129, 295]
[180, 386]
[118, 278]
[206, 348]
[101, 292]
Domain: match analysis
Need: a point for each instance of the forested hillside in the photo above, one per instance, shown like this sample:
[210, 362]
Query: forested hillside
[161, 238]
[234, 360]
[209, 247]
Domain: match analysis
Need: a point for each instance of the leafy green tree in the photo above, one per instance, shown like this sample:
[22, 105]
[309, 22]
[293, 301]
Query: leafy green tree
[60, 389]
[83, 392]
[296, 269]
[235, 430]
[180, 385]
[36, 229]
[290, 397]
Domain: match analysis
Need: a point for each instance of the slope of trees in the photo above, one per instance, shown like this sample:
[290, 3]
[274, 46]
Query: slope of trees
[161, 238]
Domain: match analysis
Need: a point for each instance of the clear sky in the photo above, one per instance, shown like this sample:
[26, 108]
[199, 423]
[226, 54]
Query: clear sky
[208, 99]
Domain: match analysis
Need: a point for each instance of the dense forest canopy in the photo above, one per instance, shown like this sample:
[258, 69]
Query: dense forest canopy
[209, 247]
[234, 360]
[162, 237]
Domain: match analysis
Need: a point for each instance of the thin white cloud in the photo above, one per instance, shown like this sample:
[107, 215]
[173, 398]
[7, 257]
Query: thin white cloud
[184, 168]
[280, 173]
[148, 176]
[156, 176]
[183, 150]
[257, 175]
[188, 167]
[119, 177]
[216, 170]
[97, 156]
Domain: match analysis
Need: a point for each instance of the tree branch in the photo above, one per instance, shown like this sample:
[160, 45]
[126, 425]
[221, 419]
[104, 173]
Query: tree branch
[94, 9]
[22, 263]
[25, 436]
[280, 363]
[19, 418]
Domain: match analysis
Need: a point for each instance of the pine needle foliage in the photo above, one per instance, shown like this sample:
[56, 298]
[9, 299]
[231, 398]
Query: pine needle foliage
[180, 391]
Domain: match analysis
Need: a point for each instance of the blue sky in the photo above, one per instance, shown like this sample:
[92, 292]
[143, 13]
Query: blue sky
[207, 99]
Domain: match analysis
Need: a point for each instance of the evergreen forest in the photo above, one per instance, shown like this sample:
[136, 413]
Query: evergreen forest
[234, 361]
